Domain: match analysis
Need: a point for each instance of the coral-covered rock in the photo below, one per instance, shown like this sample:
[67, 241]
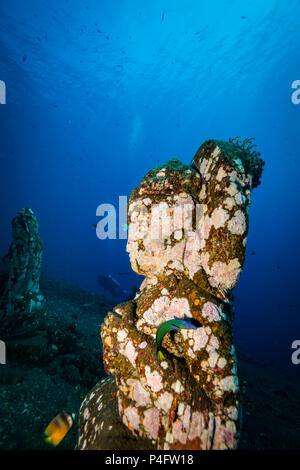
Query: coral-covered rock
[100, 427]
[21, 294]
[187, 235]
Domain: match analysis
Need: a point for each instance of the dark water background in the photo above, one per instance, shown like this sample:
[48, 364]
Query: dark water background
[99, 92]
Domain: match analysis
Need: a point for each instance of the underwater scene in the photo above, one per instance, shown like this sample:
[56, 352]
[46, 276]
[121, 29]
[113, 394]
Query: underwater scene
[143, 305]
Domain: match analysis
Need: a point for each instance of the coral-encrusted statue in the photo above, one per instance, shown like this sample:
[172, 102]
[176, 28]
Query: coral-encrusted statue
[187, 235]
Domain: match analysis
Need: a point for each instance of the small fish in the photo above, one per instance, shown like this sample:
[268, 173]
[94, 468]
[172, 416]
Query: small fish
[170, 325]
[90, 304]
[58, 428]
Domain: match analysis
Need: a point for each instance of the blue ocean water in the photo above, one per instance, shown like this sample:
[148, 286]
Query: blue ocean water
[97, 93]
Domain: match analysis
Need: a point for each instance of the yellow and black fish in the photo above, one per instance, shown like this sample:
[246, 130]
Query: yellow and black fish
[58, 428]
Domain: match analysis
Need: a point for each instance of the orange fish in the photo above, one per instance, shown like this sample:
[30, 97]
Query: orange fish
[58, 428]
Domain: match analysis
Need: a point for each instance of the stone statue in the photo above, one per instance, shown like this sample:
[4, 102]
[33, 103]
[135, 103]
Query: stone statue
[187, 235]
[21, 297]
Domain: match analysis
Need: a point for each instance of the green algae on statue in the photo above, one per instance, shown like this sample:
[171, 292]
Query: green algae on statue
[187, 235]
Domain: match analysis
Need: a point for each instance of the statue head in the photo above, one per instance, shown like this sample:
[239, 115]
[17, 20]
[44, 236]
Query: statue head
[162, 221]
